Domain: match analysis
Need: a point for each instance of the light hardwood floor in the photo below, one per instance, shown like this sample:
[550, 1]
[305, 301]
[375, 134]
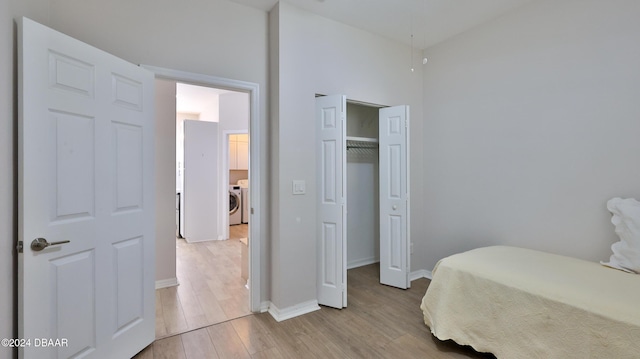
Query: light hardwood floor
[379, 322]
[211, 289]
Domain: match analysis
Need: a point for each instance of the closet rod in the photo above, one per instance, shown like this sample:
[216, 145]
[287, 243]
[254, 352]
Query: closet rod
[363, 146]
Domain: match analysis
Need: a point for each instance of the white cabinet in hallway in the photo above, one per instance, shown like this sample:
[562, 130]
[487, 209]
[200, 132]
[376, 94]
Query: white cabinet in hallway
[239, 152]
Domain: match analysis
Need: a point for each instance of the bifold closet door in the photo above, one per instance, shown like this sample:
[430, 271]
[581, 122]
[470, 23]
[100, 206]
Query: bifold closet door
[331, 201]
[394, 196]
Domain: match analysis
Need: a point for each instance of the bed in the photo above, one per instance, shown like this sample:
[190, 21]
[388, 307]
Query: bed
[522, 303]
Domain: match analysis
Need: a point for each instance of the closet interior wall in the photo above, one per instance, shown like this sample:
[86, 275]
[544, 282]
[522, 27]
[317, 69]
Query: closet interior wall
[363, 212]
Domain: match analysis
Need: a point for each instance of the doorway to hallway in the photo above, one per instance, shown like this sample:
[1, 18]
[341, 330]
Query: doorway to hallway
[174, 297]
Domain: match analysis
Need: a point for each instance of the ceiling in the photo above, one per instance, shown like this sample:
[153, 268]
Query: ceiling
[195, 99]
[431, 21]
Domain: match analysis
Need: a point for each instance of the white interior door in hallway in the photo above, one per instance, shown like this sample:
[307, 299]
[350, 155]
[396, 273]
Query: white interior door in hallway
[86, 199]
[201, 218]
[332, 198]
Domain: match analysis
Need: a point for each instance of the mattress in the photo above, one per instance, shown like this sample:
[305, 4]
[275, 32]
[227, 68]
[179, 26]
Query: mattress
[521, 303]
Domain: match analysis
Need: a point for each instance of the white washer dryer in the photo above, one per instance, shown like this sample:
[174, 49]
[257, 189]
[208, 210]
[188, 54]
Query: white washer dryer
[235, 205]
[244, 187]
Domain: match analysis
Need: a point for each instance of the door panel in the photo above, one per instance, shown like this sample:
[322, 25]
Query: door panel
[394, 196]
[73, 282]
[201, 181]
[74, 153]
[129, 274]
[331, 231]
[86, 176]
[127, 165]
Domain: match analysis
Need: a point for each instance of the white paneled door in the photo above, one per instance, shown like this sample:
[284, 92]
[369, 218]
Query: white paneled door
[394, 196]
[201, 181]
[331, 224]
[86, 200]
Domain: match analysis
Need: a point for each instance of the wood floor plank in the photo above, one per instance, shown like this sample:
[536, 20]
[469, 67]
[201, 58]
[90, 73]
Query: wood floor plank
[161, 329]
[174, 319]
[253, 334]
[193, 313]
[237, 306]
[198, 345]
[318, 342]
[211, 308]
[271, 353]
[168, 348]
[357, 340]
[238, 231]
[286, 336]
[227, 342]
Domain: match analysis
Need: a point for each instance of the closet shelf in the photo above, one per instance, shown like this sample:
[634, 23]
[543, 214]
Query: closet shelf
[362, 139]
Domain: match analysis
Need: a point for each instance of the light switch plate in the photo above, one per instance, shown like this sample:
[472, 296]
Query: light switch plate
[299, 187]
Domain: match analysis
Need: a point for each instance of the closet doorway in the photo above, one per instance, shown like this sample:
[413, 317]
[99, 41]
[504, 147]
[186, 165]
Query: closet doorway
[363, 202]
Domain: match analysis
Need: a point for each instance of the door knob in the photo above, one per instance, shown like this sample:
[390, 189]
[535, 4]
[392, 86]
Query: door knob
[394, 207]
[39, 244]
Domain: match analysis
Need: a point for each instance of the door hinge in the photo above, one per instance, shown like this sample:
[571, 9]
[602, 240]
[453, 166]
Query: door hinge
[19, 246]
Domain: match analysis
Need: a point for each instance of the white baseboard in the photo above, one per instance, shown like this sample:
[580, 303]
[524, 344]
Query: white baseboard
[264, 307]
[166, 283]
[293, 311]
[421, 273]
[362, 262]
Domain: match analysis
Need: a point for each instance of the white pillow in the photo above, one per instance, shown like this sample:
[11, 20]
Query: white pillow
[626, 219]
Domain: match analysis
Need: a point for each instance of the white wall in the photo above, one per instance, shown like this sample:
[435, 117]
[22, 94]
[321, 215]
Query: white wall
[221, 38]
[317, 55]
[363, 211]
[234, 111]
[211, 113]
[531, 125]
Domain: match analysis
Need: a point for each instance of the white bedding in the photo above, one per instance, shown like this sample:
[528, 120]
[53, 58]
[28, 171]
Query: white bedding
[521, 303]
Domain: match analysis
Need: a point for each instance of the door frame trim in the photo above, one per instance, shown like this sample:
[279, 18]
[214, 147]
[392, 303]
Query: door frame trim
[253, 89]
